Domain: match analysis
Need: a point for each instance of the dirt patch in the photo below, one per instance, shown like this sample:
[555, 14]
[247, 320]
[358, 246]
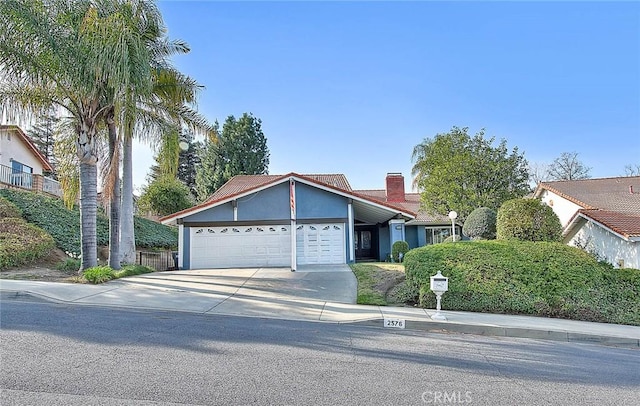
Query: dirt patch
[42, 270]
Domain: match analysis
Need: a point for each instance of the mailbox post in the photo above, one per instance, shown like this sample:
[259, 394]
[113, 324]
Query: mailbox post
[439, 285]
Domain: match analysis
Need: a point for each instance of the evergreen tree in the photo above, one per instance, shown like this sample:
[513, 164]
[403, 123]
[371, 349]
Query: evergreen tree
[188, 161]
[241, 149]
[42, 136]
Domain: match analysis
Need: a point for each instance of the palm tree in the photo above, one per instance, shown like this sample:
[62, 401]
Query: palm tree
[158, 119]
[81, 56]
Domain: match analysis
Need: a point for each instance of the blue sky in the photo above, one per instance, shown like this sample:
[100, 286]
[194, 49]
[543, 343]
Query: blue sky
[352, 87]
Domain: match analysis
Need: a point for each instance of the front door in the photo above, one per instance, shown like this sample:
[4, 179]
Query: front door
[365, 241]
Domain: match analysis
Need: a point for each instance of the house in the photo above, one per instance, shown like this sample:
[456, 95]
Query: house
[601, 216]
[292, 220]
[22, 164]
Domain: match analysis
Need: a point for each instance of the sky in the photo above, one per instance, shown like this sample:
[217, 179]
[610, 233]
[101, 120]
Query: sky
[352, 87]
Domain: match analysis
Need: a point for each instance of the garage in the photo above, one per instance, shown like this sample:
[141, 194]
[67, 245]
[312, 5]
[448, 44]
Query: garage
[320, 244]
[241, 246]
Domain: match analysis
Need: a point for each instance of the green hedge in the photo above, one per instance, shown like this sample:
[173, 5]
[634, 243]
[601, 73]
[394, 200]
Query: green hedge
[21, 242]
[64, 224]
[534, 278]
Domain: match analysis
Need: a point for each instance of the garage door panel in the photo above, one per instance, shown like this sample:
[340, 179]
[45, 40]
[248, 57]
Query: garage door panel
[320, 244]
[245, 246]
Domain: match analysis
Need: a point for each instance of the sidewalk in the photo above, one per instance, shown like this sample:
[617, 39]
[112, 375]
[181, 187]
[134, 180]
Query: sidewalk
[233, 301]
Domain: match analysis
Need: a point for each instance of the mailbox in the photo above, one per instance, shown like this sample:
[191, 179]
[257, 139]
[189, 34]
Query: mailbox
[439, 283]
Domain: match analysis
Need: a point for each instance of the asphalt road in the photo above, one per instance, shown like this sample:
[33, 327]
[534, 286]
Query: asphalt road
[77, 355]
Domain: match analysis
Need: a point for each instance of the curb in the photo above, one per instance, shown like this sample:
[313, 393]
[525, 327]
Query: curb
[428, 326]
[512, 332]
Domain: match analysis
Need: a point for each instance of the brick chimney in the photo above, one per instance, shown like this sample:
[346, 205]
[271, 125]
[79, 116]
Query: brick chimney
[395, 187]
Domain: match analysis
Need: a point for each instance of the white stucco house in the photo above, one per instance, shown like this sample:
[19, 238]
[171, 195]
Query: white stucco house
[21, 163]
[599, 215]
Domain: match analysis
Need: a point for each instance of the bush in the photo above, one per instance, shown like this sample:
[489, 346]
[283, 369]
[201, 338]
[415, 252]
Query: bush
[451, 238]
[131, 270]
[150, 234]
[397, 248]
[21, 242]
[99, 274]
[165, 196]
[8, 209]
[527, 220]
[70, 265]
[481, 224]
[535, 278]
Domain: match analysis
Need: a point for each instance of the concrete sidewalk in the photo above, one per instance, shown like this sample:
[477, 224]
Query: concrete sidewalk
[239, 298]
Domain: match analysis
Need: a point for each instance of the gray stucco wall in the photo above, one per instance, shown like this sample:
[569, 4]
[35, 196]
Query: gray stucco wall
[314, 203]
[267, 204]
[384, 246]
[411, 236]
[218, 213]
[186, 246]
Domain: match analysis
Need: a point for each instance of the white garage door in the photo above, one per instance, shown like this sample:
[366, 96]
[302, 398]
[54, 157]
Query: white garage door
[240, 246]
[320, 244]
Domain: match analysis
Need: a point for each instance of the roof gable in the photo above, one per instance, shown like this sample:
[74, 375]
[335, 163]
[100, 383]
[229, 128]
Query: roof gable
[29, 144]
[243, 185]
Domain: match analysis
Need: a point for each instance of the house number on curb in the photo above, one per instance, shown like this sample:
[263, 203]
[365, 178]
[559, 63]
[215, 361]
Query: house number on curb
[394, 323]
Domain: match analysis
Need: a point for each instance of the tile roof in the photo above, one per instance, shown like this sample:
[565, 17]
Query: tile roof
[611, 194]
[624, 224]
[411, 204]
[613, 202]
[240, 183]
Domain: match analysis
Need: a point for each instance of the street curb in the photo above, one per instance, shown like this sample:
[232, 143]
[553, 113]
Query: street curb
[512, 332]
[428, 326]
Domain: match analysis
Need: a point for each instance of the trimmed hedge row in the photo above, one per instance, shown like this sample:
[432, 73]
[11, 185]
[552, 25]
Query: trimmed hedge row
[64, 224]
[535, 278]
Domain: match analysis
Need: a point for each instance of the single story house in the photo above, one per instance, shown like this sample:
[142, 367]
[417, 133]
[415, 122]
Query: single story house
[601, 216]
[291, 220]
[22, 164]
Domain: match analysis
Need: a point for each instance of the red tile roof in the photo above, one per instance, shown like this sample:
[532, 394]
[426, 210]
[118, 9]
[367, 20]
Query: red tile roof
[613, 202]
[605, 193]
[623, 224]
[411, 204]
[241, 183]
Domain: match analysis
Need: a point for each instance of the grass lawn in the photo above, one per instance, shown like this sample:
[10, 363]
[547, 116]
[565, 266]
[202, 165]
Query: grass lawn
[379, 283]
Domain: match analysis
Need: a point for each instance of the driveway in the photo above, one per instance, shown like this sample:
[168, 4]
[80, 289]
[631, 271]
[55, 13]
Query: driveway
[324, 283]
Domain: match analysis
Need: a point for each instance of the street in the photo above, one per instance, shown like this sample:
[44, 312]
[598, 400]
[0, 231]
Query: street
[80, 355]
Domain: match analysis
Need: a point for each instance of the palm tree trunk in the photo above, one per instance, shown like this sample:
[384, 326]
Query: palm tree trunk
[127, 236]
[88, 212]
[114, 199]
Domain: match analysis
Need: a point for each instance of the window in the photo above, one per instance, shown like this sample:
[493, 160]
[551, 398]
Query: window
[21, 174]
[436, 235]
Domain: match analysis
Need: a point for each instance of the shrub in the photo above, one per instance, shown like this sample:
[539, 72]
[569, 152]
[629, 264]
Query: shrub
[517, 277]
[527, 220]
[70, 265]
[481, 224]
[21, 242]
[165, 196]
[8, 209]
[452, 238]
[131, 270]
[397, 248]
[99, 274]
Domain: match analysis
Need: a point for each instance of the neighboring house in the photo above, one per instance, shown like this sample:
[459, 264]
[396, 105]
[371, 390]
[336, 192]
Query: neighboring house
[290, 220]
[601, 216]
[21, 163]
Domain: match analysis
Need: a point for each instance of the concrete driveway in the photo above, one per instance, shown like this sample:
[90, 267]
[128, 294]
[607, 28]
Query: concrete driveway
[323, 283]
